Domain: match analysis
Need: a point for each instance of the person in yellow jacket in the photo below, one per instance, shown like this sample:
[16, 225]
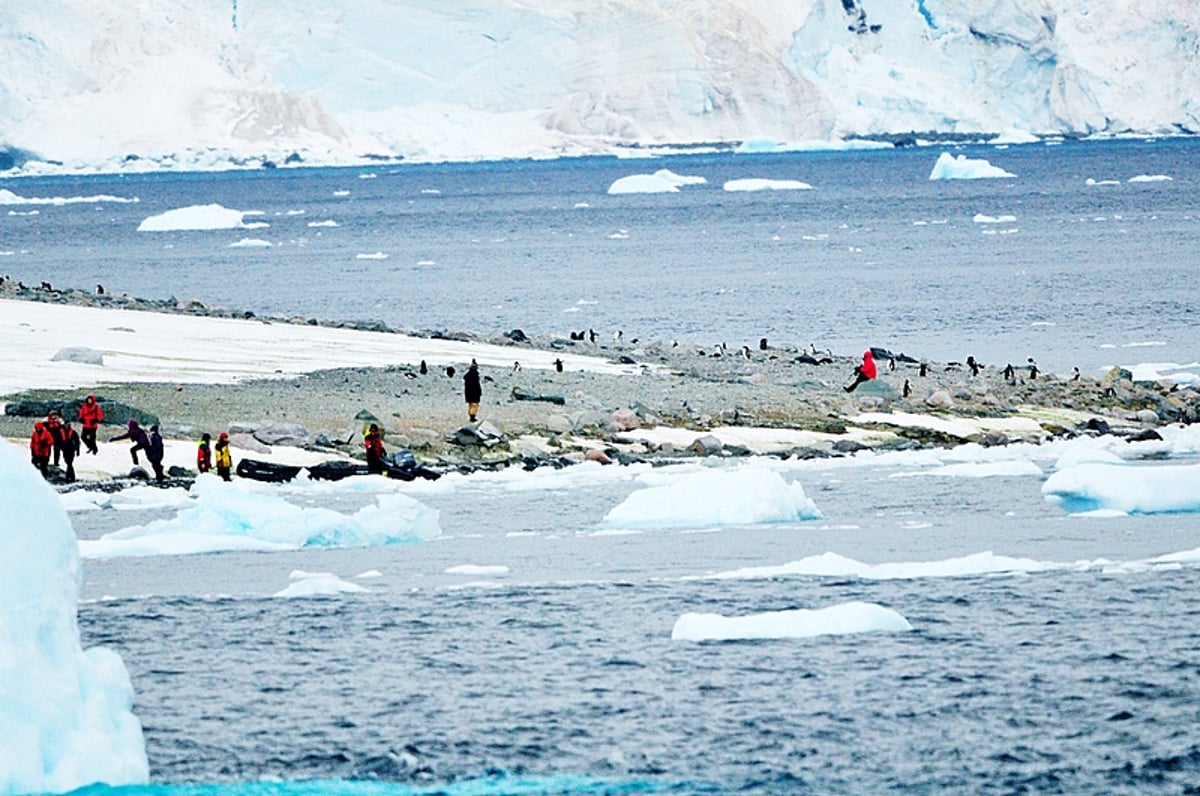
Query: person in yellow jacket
[222, 457]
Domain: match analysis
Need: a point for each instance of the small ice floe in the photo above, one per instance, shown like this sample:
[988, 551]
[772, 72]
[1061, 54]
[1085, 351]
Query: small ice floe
[980, 218]
[251, 243]
[1150, 178]
[661, 181]
[477, 570]
[194, 218]
[1123, 487]
[754, 184]
[949, 167]
[371, 256]
[746, 496]
[846, 618]
[318, 584]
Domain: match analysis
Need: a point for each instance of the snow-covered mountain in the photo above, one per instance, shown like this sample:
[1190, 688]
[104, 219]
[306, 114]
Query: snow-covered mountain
[186, 82]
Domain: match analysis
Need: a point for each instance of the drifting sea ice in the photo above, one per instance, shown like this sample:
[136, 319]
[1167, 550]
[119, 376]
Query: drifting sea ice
[1124, 488]
[851, 617]
[661, 181]
[745, 496]
[196, 217]
[949, 167]
[66, 717]
[225, 517]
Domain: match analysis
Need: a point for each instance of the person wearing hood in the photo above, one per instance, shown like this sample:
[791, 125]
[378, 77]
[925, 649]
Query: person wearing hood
[204, 453]
[41, 442]
[68, 444]
[135, 434]
[864, 372]
[90, 416]
[373, 442]
[222, 457]
[472, 390]
[154, 452]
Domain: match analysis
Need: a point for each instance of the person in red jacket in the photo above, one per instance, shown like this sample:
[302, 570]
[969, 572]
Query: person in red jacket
[68, 443]
[41, 442]
[204, 453]
[864, 372]
[91, 415]
[373, 442]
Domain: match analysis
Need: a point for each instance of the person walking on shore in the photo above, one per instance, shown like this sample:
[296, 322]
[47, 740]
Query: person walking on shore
[40, 444]
[864, 372]
[90, 416]
[154, 452]
[204, 453]
[472, 390]
[222, 458]
[54, 426]
[135, 434]
[373, 442]
[68, 444]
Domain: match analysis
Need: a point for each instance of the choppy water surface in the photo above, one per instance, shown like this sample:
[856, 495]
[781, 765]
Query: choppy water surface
[562, 671]
[560, 674]
[1083, 275]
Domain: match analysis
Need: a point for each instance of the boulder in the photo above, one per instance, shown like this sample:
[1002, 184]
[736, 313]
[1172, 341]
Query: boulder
[484, 435]
[115, 412]
[291, 434]
[878, 388]
[594, 455]
[521, 394]
[707, 445]
[939, 399]
[1148, 417]
[79, 354]
[248, 442]
[625, 419]
[560, 424]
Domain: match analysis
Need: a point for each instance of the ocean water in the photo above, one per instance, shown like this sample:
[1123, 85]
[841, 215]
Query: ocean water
[558, 674]
[875, 253]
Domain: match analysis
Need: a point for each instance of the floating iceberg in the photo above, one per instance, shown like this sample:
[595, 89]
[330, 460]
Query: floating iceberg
[226, 518]
[197, 217]
[1125, 488]
[746, 496]
[661, 181]
[754, 184]
[66, 717]
[949, 167]
[851, 617]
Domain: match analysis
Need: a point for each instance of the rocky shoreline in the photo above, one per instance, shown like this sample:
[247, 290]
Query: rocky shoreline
[685, 402]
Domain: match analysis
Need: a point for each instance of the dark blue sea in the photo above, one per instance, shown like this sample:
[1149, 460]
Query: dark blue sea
[1086, 275]
[560, 675]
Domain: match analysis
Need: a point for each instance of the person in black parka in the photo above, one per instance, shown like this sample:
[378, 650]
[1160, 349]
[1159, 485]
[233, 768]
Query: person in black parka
[472, 390]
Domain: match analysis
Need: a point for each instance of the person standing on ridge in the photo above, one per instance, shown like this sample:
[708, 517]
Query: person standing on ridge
[222, 457]
[864, 372]
[373, 442]
[204, 453]
[472, 390]
[90, 416]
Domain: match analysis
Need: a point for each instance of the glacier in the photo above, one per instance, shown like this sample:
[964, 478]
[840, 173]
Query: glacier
[141, 84]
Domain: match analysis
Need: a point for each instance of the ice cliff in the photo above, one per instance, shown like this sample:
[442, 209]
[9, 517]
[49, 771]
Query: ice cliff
[94, 81]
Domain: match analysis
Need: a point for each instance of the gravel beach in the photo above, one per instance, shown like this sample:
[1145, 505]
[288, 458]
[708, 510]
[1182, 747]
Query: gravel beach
[537, 415]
